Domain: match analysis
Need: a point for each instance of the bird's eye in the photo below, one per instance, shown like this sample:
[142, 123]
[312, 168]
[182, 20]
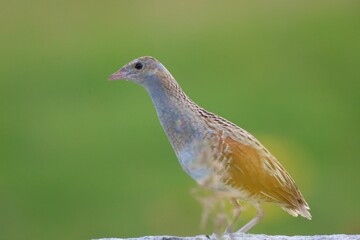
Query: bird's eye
[138, 66]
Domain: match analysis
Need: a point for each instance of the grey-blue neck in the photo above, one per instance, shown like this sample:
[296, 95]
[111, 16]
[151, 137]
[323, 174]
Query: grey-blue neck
[182, 124]
[176, 114]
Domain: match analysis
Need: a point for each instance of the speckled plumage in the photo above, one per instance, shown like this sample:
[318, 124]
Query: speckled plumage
[213, 150]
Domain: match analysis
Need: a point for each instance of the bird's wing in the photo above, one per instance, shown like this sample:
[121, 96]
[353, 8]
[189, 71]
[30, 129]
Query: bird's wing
[260, 175]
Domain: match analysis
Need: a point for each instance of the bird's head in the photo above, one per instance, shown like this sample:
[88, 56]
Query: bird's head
[143, 71]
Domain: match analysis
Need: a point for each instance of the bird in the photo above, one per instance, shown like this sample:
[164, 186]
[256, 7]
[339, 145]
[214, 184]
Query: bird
[213, 150]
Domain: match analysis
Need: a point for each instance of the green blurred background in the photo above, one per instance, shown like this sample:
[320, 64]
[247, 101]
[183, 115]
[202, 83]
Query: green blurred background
[82, 158]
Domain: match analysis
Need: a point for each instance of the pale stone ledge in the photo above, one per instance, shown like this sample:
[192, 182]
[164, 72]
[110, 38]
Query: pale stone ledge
[247, 237]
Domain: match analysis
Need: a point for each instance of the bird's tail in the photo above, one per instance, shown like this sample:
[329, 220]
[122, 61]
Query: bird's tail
[302, 210]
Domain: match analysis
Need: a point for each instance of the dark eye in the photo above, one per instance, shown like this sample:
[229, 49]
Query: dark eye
[138, 66]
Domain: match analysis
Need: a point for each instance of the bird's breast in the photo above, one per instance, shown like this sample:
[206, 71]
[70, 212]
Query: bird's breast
[186, 132]
[187, 137]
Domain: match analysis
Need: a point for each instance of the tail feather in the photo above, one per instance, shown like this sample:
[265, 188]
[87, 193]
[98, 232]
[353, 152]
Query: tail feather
[302, 210]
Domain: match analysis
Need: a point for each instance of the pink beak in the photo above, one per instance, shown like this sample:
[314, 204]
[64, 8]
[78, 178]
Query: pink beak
[118, 75]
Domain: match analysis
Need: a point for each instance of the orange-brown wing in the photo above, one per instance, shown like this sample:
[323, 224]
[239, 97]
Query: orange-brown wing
[262, 176]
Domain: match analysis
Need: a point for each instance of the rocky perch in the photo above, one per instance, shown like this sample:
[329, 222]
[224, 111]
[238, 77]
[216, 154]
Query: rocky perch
[245, 236]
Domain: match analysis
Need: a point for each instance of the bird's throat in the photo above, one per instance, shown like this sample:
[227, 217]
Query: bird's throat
[175, 112]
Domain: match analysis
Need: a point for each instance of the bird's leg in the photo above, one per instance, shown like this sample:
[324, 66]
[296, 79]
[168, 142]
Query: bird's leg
[259, 215]
[236, 214]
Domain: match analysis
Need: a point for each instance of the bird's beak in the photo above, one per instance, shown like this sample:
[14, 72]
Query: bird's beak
[121, 74]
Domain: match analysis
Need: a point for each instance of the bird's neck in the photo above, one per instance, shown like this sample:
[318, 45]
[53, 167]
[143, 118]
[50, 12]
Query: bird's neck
[177, 114]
